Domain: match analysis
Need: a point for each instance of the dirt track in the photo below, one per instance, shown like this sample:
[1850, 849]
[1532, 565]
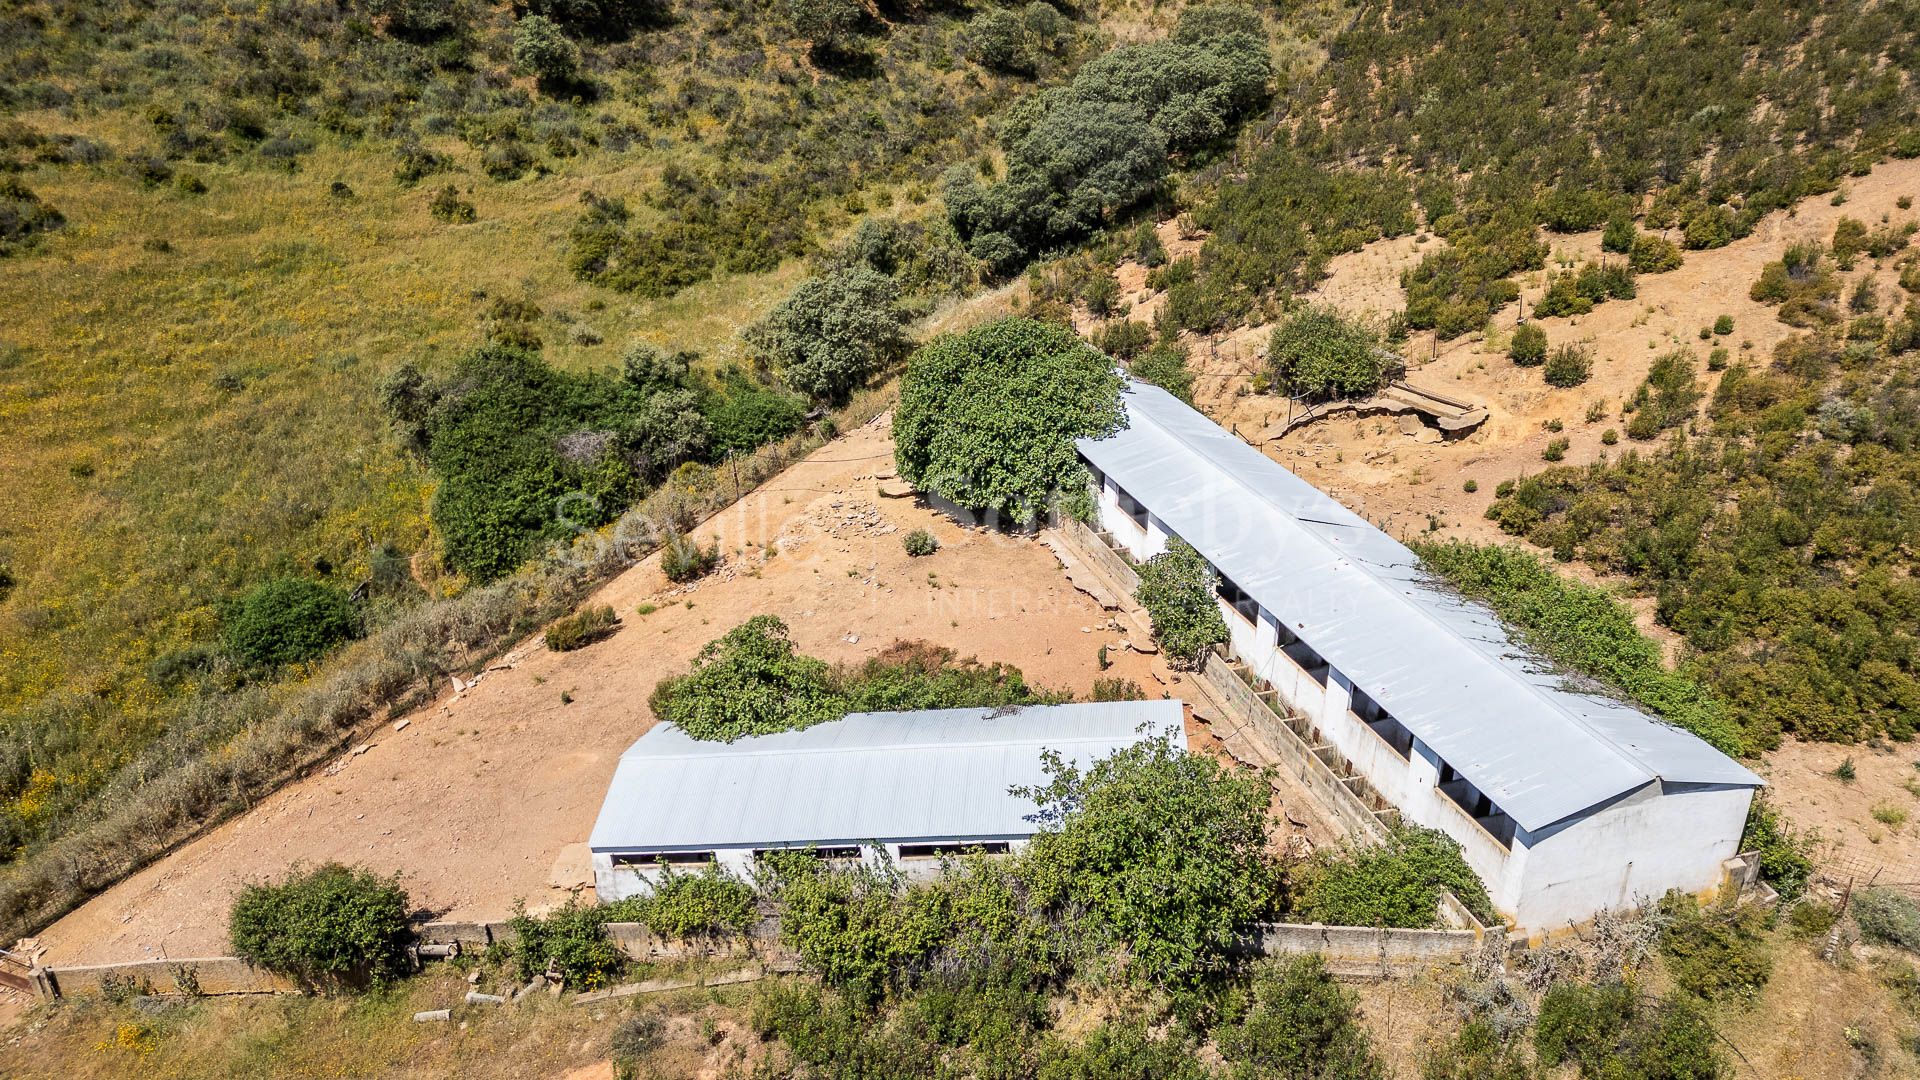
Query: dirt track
[476, 798]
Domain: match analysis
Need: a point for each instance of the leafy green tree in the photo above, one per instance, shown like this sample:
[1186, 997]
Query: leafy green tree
[286, 621]
[1396, 884]
[702, 904]
[1161, 851]
[329, 927]
[543, 51]
[1319, 353]
[1177, 589]
[987, 419]
[572, 941]
[1300, 1024]
[834, 333]
[751, 681]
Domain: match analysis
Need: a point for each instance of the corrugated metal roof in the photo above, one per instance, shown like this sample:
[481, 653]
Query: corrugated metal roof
[1445, 667]
[939, 774]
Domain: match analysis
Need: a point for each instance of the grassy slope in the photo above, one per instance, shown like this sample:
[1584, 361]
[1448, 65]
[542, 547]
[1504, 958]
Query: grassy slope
[182, 423]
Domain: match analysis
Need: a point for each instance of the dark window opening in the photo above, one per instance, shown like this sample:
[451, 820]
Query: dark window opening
[1302, 653]
[935, 851]
[1246, 606]
[1132, 508]
[1477, 805]
[830, 854]
[663, 858]
[1382, 723]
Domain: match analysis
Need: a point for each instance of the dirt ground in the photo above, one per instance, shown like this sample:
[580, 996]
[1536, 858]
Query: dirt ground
[488, 795]
[1868, 827]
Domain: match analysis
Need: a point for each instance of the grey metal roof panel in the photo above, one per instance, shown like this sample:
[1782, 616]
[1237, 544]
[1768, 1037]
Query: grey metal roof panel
[1443, 665]
[870, 776]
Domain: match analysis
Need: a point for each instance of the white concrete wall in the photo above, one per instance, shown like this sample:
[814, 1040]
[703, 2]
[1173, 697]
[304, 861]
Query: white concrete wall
[1632, 850]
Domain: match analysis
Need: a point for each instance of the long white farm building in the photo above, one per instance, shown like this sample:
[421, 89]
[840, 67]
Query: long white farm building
[916, 785]
[1565, 802]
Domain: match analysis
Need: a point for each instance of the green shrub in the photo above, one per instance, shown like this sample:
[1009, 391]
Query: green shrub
[1395, 884]
[1610, 1033]
[1177, 589]
[745, 414]
[1717, 952]
[1887, 917]
[328, 927]
[24, 218]
[912, 675]
[1476, 1052]
[1556, 449]
[987, 418]
[682, 558]
[750, 681]
[702, 904]
[1470, 486]
[1529, 345]
[286, 621]
[1300, 1023]
[920, 543]
[447, 205]
[634, 1039]
[1116, 689]
[1786, 860]
[1319, 353]
[543, 51]
[1723, 325]
[1570, 365]
[1609, 437]
[1165, 366]
[571, 942]
[582, 628]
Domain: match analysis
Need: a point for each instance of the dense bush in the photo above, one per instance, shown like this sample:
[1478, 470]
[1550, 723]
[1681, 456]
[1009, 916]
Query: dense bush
[987, 418]
[1717, 952]
[920, 543]
[327, 927]
[286, 621]
[910, 675]
[1165, 366]
[1397, 883]
[1318, 353]
[526, 453]
[1786, 860]
[1569, 366]
[1529, 346]
[582, 628]
[24, 217]
[682, 558]
[751, 681]
[1577, 293]
[701, 904]
[1609, 1032]
[541, 50]
[833, 334]
[743, 414]
[1476, 1052]
[1585, 629]
[1666, 398]
[1177, 589]
[1300, 1023]
[571, 942]
[1887, 917]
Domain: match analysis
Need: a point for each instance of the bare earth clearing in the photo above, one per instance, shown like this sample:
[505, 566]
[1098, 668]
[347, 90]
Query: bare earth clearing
[482, 793]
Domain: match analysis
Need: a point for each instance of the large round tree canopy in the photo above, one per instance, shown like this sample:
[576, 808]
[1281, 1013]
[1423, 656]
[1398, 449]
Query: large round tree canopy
[987, 418]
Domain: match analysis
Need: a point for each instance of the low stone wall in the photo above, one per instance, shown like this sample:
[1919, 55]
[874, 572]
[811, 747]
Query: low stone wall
[1357, 951]
[1088, 545]
[203, 975]
[634, 939]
